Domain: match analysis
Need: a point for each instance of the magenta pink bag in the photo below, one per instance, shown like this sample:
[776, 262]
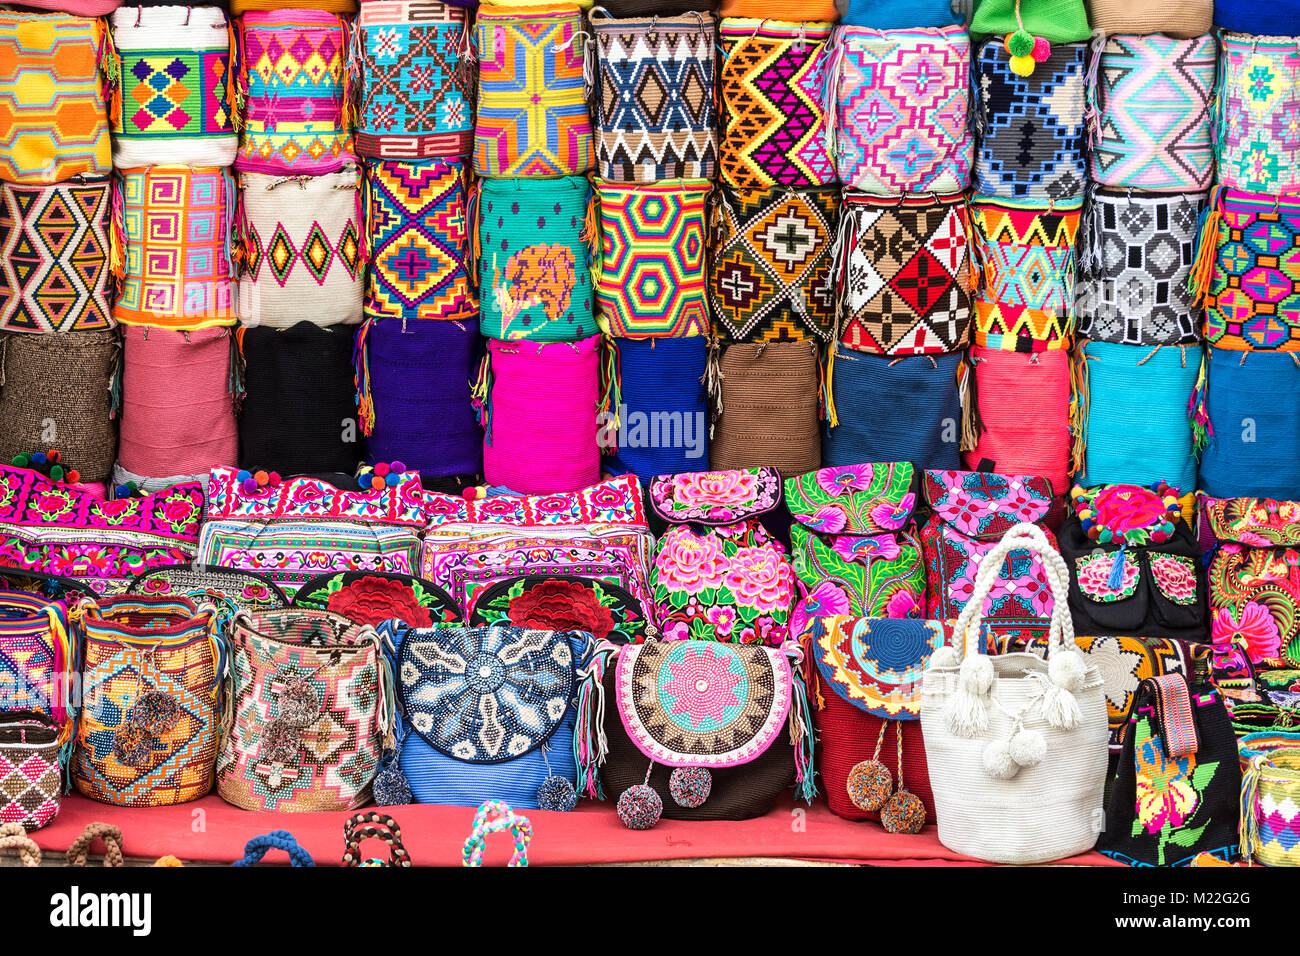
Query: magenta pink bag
[78, 8]
[540, 416]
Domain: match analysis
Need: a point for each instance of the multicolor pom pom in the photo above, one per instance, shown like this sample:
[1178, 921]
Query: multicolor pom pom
[640, 807]
[557, 793]
[48, 463]
[251, 481]
[280, 741]
[156, 712]
[903, 813]
[869, 785]
[380, 474]
[299, 703]
[132, 744]
[690, 786]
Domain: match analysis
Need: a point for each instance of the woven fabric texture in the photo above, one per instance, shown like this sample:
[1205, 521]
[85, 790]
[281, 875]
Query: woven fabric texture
[1138, 17]
[1254, 447]
[1259, 95]
[768, 407]
[664, 415]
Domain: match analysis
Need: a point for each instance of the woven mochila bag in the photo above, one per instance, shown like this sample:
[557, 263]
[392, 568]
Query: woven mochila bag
[302, 246]
[770, 271]
[1016, 746]
[37, 659]
[417, 80]
[654, 97]
[1149, 112]
[58, 385]
[293, 68]
[1270, 827]
[766, 404]
[1139, 17]
[664, 417]
[531, 52]
[176, 99]
[1259, 93]
[57, 73]
[54, 249]
[694, 730]
[151, 700]
[309, 712]
[31, 767]
[852, 553]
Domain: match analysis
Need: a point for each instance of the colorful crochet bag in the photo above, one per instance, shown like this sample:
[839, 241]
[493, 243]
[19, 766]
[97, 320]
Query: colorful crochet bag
[176, 99]
[789, 10]
[1179, 782]
[1150, 112]
[1024, 257]
[1269, 824]
[418, 234]
[1055, 21]
[864, 687]
[970, 512]
[60, 379]
[654, 97]
[151, 700]
[1247, 274]
[31, 769]
[310, 709]
[898, 127]
[417, 80]
[1138, 17]
[1135, 257]
[772, 125]
[904, 275]
[887, 408]
[696, 730]
[372, 597]
[1135, 566]
[54, 249]
[37, 660]
[1259, 93]
[59, 529]
[532, 118]
[770, 272]
[533, 252]
[663, 423]
[851, 553]
[651, 279]
[718, 574]
[606, 611]
[766, 403]
[56, 76]
[297, 529]
[172, 247]
[466, 739]
[292, 76]
[897, 14]
[302, 244]
[1032, 138]
[241, 590]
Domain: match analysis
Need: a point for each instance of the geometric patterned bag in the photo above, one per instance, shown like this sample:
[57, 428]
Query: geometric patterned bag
[31, 775]
[1270, 820]
[1259, 98]
[37, 659]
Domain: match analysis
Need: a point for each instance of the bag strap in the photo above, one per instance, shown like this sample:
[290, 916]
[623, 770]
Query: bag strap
[372, 825]
[79, 852]
[257, 848]
[1021, 537]
[14, 837]
[492, 817]
[1173, 702]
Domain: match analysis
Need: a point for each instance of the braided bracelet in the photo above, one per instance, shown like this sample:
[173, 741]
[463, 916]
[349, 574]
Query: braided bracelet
[370, 825]
[13, 836]
[257, 848]
[492, 817]
[79, 852]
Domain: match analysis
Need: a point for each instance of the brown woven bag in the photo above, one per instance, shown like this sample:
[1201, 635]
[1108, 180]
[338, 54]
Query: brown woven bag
[1192, 18]
[54, 393]
[769, 402]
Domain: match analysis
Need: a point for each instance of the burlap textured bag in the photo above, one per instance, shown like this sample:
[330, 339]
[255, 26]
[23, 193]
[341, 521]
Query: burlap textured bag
[1138, 17]
[769, 393]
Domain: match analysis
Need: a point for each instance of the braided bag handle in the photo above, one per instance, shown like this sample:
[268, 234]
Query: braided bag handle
[370, 825]
[492, 817]
[258, 847]
[14, 837]
[79, 852]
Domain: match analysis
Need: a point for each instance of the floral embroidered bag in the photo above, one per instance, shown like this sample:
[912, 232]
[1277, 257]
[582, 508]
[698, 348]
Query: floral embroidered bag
[851, 553]
[718, 574]
[606, 611]
[1176, 793]
[369, 597]
[971, 510]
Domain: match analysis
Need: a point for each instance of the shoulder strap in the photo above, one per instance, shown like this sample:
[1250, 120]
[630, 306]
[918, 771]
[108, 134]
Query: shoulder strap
[1173, 702]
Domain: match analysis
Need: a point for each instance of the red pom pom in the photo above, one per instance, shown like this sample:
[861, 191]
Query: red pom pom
[381, 469]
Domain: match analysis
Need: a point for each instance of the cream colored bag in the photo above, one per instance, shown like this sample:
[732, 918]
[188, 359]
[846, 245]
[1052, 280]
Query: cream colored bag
[1016, 746]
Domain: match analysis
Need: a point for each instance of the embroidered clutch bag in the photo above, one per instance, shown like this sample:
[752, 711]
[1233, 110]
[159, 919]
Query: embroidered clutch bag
[244, 590]
[853, 499]
[607, 611]
[372, 598]
[716, 497]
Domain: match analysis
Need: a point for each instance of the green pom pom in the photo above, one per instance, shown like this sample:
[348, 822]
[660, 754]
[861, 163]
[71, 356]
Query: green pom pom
[21, 461]
[1106, 535]
[56, 472]
[1020, 43]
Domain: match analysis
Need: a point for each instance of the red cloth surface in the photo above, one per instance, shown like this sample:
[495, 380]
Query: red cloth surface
[434, 836]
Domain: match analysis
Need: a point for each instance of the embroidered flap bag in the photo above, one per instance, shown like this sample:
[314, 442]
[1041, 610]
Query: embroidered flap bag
[151, 700]
[243, 590]
[606, 611]
[970, 511]
[371, 597]
[487, 713]
[851, 554]
[310, 710]
[31, 768]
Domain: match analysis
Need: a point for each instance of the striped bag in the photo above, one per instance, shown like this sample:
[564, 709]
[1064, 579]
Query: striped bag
[766, 396]
[655, 97]
[652, 244]
[176, 99]
[532, 112]
[1259, 97]
[663, 414]
[417, 80]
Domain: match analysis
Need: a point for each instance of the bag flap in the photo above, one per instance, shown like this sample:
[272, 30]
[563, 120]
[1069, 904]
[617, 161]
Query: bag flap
[877, 663]
[716, 497]
[618, 501]
[372, 597]
[702, 703]
[853, 499]
[603, 609]
[485, 694]
[985, 505]
[244, 589]
[1258, 522]
[313, 499]
[1127, 514]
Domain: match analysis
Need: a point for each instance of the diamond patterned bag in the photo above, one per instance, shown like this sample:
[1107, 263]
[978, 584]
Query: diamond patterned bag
[31, 776]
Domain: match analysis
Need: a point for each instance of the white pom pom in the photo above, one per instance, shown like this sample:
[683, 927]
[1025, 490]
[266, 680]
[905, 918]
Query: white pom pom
[976, 675]
[966, 714]
[945, 656]
[1028, 748]
[998, 763]
[1060, 709]
[1067, 669]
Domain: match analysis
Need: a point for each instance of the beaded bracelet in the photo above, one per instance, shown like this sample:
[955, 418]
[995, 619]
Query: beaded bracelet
[492, 817]
[370, 825]
[257, 848]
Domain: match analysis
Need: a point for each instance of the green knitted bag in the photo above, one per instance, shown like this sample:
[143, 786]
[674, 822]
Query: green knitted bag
[1057, 21]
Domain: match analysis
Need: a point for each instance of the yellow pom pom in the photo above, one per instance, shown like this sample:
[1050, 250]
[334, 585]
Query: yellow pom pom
[1022, 65]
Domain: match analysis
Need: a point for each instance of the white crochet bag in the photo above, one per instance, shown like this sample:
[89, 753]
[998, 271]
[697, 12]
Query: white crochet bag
[1016, 746]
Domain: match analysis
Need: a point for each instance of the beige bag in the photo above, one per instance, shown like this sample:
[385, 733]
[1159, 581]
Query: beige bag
[767, 395]
[1016, 746]
[1184, 20]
